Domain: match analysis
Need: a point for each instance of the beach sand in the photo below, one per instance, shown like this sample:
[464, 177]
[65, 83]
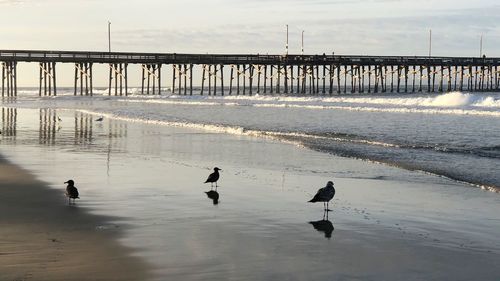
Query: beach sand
[143, 185]
[42, 238]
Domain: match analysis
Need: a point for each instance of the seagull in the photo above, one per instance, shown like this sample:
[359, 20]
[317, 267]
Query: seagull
[99, 119]
[71, 191]
[324, 195]
[213, 177]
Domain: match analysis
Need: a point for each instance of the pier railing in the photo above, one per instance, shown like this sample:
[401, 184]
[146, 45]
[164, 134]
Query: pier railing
[291, 59]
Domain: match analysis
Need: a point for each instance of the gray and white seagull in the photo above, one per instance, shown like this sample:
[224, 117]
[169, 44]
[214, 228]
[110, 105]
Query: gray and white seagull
[324, 195]
[213, 177]
[71, 191]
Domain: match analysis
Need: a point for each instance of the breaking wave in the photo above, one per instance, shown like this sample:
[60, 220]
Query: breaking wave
[454, 103]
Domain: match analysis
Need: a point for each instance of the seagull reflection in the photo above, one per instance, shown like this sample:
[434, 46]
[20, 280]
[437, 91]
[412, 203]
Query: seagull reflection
[214, 195]
[324, 225]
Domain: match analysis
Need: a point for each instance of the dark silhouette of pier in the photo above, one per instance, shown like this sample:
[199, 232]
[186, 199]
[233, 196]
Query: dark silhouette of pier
[247, 74]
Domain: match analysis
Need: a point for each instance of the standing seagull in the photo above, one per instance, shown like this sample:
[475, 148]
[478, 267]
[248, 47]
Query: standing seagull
[213, 177]
[324, 195]
[71, 191]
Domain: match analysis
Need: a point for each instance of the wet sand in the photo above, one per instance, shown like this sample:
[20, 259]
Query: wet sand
[43, 238]
[145, 183]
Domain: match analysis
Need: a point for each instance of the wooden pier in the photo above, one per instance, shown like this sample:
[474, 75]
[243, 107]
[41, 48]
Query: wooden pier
[240, 74]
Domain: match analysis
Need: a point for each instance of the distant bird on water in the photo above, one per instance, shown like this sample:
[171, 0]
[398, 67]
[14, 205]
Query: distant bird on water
[71, 191]
[99, 119]
[213, 177]
[324, 195]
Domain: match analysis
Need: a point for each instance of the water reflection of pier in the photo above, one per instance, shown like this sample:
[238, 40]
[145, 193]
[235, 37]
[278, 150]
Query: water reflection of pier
[83, 128]
[49, 125]
[116, 132]
[117, 129]
[85, 125]
[9, 120]
[51, 129]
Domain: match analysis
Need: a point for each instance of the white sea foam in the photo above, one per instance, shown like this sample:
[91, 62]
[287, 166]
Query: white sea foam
[472, 104]
[28, 91]
[236, 130]
[131, 91]
[452, 99]
[472, 112]
[451, 111]
[455, 103]
[178, 102]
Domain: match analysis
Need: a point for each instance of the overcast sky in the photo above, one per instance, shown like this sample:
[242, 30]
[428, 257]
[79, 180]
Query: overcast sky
[255, 26]
[375, 27]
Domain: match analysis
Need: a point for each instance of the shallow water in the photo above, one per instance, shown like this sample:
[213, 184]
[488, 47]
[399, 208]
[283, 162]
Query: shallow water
[387, 223]
[453, 135]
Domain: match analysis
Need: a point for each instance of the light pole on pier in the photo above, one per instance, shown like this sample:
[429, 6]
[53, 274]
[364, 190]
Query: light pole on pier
[302, 44]
[109, 36]
[286, 45]
[481, 46]
[430, 42]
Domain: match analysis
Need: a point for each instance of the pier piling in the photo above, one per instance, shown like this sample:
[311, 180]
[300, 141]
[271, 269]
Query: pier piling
[9, 78]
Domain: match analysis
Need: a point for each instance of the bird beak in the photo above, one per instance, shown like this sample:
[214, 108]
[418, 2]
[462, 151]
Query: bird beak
[65, 182]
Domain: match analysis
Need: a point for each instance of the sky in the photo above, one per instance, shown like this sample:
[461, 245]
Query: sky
[356, 27]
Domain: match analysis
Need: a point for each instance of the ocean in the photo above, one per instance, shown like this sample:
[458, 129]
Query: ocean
[454, 135]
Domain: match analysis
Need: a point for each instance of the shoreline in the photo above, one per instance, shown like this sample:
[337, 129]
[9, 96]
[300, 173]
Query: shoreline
[387, 223]
[45, 239]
